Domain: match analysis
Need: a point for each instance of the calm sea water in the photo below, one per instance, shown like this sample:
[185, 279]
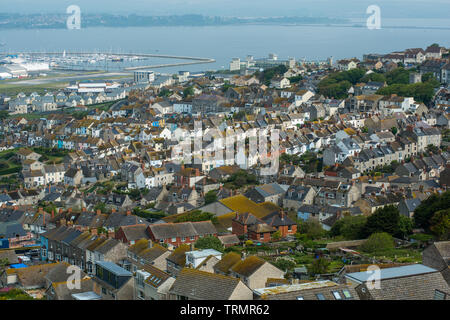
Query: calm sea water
[225, 42]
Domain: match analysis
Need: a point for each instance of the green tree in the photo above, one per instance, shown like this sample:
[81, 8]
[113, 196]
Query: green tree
[284, 264]
[210, 197]
[319, 266]
[312, 228]
[405, 226]
[394, 130]
[4, 263]
[377, 77]
[425, 211]
[385, 219]
[276, 235]
[378, 241]
[189, 91]
[3, 114]
[100, 206]
[209, 242]
[440, 224]
[351, 227]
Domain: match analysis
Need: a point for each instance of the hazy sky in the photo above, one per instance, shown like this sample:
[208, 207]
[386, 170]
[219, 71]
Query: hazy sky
[329, 8]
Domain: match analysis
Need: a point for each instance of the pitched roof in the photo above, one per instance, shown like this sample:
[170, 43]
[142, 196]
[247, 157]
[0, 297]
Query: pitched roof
[227, 261]
[182, 229]
[248, 266]
[202, 285]
[178, 256]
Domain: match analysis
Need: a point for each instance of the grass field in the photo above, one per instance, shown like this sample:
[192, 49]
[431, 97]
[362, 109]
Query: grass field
[12, 89]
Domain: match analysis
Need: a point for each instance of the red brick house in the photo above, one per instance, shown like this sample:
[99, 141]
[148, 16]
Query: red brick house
[176, 234]
[253, 228]
[281, 222]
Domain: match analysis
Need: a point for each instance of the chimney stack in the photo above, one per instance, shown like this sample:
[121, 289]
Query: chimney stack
[53, 214]
[99, 212]
[84, 209]
[128, 213]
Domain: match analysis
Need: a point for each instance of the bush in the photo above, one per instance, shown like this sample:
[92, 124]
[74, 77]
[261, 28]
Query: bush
[378, 241]
[284, 264]
[209, 243]
[249, 243]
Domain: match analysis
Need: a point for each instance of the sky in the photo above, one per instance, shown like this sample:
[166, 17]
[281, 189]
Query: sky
[438, 9]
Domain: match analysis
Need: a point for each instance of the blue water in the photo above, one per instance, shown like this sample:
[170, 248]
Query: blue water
[225, 42]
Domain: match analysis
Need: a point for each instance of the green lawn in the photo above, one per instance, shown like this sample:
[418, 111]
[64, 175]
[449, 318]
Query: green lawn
[12, 89]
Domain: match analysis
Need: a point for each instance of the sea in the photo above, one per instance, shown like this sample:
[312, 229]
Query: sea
[222, 43]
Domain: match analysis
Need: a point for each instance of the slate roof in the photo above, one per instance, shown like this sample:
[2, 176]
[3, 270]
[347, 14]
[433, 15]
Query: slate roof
[202, 285]
[183, 229]
[135, 232]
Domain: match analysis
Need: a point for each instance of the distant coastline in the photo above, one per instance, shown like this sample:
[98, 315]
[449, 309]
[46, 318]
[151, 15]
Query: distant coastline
[58, 21]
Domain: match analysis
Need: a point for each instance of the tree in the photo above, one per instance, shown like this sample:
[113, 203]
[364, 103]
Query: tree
[394, 130]
[189, 91]
[385, 219]
[351, 227]
[100, 206]
[425, 211]
[312, 228]
[378, 241]
[440, 224]
[377, 77]
[3, 114]
[276, 235]
[319, 266]
[209, 242]
[4, 263]
[405, 226]
[210, 197]
[284, 264]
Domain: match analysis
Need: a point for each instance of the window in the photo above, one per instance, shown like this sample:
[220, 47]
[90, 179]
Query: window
[347, 294]
[103, 290]
[300, 298]
[439, 295]
[174, 239]
[320, 296]
[336, 295]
